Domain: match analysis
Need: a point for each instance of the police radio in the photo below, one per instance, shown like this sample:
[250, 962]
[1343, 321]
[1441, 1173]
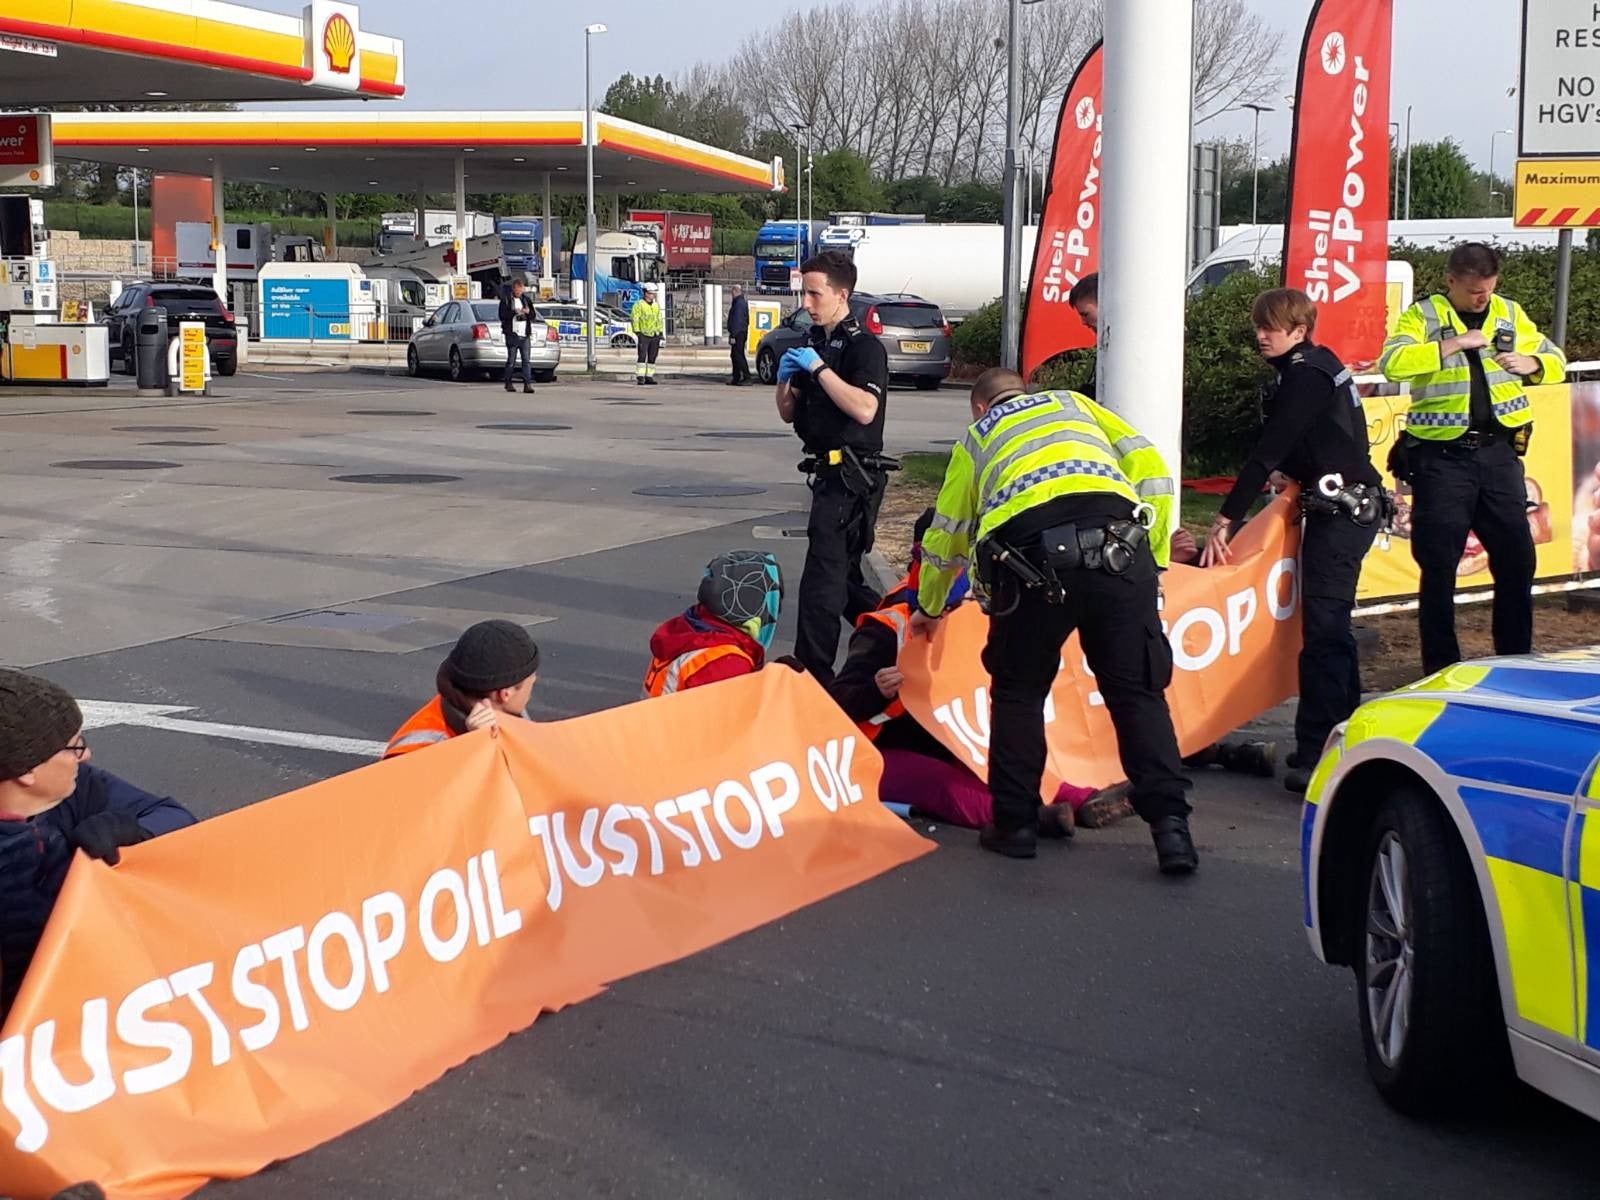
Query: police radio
[1505, 341]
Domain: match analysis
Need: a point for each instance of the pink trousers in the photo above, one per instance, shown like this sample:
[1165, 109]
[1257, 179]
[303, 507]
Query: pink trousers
[947, 791]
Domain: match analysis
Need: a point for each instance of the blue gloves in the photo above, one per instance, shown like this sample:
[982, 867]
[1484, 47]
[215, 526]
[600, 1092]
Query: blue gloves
[800, 361]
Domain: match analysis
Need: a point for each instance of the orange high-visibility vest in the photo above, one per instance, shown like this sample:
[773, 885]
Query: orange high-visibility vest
[898, 618]
[666, 676]
[426, 727]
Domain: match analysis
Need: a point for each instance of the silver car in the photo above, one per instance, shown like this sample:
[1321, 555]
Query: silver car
[464, 338]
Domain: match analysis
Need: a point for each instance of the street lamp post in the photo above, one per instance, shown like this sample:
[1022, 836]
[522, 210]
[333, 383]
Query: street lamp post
[1394, 158]
[799, 127]
[590, 269]
[1408, 162]
[1255, 158]
[1011, 287]
[1498, 133]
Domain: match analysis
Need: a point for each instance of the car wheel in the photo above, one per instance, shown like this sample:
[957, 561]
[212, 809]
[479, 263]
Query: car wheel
[130, 356]
[457, 372]
[413, 362]
[767, 366]
[544, 376]
[227, 366]
[1429, 1000]
[927, 383]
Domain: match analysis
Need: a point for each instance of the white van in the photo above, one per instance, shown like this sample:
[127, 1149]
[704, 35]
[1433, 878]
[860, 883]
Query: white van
[1262, 245]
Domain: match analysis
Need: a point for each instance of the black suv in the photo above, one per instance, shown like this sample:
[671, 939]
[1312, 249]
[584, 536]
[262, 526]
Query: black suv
[913, 332]
[183, 302]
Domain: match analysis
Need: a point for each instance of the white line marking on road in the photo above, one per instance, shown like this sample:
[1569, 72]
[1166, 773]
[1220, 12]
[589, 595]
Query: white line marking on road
[98, 714]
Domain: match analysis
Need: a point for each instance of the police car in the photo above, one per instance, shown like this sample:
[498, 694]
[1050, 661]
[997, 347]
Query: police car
[572, 324]
[1450, 855]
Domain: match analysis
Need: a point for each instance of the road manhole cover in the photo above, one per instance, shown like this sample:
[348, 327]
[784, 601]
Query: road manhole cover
[390, 412]
[690, 449]
[182, 443]
[164, 428]
[637, 403]
[525, 426]
[699, 491]
[115, 464]
[382, 477]
[742, 433]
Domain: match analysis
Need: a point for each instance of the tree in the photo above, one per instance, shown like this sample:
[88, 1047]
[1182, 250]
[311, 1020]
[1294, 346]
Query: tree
[1235, 57]
[1441, 181]
[1273, 200]
[843, 182]
[919, 194]
[977, 202]
[645, 100]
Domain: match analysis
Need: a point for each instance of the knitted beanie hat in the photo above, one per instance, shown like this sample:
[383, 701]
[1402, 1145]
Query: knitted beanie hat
[37, 720]
[492, 655]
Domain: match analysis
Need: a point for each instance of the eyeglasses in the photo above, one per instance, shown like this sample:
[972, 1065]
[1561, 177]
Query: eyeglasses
[78, 749]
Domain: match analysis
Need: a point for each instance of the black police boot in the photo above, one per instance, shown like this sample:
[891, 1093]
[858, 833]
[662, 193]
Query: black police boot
[1013, 843]
[1057, 821]
[1175, 852]
[1294, 760]
[1297, 780]
[1249, 758]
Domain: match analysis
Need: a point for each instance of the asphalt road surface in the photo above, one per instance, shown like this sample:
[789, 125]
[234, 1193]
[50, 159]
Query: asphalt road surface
[966, 1026]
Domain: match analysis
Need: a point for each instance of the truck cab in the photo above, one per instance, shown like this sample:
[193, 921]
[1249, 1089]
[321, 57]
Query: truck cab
[627, 260]
[775, 251]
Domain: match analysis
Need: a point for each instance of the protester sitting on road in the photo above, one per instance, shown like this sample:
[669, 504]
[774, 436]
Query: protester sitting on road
[489, 673]
[726, 632]
[52, 802]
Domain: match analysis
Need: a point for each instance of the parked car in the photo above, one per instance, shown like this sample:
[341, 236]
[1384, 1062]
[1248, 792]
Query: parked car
[1450, 850]
[183, 302]
[572, 324]
[464, 338]
[912, 330]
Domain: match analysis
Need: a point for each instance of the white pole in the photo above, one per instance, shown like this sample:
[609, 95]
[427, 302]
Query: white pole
[1011, 286]
[548, 252]
[1408, 162]
[1148, 95]
[219, 275]
[136, 220]
[591, 258]
[461, 217]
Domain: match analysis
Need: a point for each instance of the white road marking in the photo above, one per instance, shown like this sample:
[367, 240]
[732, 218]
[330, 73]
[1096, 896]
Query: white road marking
[98, 714]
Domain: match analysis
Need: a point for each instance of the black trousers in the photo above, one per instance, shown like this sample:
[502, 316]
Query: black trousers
[517, 344]
[1120, 631]
[832, 588]
[1454, 491]
[1331, 554]
[741, 366]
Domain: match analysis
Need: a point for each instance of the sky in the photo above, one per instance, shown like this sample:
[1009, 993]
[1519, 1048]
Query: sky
[1453, 62]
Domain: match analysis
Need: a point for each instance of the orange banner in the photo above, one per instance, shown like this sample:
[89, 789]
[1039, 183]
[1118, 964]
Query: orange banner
[1235, 635]
[243, 990]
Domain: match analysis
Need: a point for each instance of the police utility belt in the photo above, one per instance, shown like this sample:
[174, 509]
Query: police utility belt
[855, 468]
[1112, 547]
[1366, 504]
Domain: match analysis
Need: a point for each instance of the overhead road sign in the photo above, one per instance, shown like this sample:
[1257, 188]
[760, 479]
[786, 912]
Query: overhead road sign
[1560, 87]
[1553, 193]
[399, 151]
[106, 51]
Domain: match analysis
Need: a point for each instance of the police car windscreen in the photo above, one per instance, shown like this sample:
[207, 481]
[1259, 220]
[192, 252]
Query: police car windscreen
[912, 316]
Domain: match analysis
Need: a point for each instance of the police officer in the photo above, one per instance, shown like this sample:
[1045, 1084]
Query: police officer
[832, 391]
[648, 326]
[1316, 435]
[1067, 510]
[1466, 355]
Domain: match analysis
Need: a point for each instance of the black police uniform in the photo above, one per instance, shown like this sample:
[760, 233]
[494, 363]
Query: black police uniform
[844, 500]
[1315, 428]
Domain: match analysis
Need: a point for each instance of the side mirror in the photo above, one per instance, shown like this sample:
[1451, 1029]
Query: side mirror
[428, 324]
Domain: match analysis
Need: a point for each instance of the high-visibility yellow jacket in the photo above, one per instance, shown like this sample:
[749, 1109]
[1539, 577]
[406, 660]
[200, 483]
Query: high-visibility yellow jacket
[1441, 388]
[646, 318]
[1024, 452]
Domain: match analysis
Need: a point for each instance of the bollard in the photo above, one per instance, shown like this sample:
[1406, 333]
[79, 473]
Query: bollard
[150, 349]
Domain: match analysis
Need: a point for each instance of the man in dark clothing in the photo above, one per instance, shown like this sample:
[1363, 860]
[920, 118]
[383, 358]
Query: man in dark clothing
[738, 332]
[52, 803]
[833, 391]
[516, 322]
[1315, 435]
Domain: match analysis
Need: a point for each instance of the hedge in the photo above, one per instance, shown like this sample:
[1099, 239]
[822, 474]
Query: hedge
[114, 222]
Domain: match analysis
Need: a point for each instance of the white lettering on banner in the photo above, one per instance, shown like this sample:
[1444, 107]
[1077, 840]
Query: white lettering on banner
[1059, 279]
[455, 909]
[1330, 276]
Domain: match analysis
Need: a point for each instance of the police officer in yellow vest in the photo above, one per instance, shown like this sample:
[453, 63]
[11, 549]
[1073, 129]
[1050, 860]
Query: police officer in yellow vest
[1466, 355]
[648, 326]
[1065, 512]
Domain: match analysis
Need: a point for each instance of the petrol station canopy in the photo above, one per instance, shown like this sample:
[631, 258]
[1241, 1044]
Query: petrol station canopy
[408, 152]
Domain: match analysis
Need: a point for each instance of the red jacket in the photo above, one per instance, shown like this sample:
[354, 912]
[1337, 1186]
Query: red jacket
[683, 641]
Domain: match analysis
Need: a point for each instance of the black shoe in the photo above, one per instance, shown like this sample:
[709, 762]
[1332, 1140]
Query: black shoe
[1013, 843]
[1057, 821]
[528, 390]
[509, 388]
[1294, 760]
[1175, 852]
[639, 380]
[1249, 758]
[1297, 781]
[650, 381]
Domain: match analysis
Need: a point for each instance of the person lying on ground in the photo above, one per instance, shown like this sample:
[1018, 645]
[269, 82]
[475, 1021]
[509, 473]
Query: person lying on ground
[488, 674]
[726, 632]
[52, 803]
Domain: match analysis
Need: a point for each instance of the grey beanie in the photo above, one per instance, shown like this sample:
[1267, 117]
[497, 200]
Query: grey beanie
[37, 720]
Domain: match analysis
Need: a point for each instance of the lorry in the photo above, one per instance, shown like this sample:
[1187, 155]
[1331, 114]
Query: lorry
[958, 267]
[398, 230]
[775, 251]
[876, 218]
[522, 244]
[247, 248]
[485, 263]
[1245, 246]
[685, 242]
[627, 261]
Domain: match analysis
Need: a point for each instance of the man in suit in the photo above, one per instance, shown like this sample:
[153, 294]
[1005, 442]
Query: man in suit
[738, 331]
[516, 322]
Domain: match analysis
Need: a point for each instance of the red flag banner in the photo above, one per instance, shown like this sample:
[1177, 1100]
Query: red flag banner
[1336, 244]
[1069, 225]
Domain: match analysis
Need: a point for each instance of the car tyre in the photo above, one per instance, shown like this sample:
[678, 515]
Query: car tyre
[1426, 988]
[767, 366]
[413, 362]
[227, 366]
[927, 383]
[544, 376]
[130, 356]
[458, 372]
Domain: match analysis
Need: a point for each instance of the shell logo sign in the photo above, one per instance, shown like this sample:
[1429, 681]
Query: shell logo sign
[339, 43]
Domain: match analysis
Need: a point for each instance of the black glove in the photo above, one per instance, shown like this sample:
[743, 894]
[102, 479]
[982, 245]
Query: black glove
[102, 835]
[793, 663]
